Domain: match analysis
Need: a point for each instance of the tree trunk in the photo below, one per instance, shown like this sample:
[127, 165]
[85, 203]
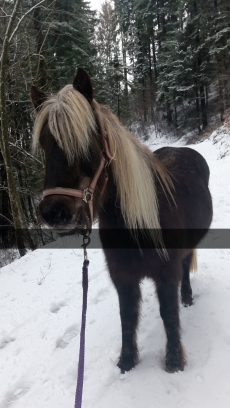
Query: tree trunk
[168, 113]
[41, 68]
[154, 60]
[203, 107]
[19, 219]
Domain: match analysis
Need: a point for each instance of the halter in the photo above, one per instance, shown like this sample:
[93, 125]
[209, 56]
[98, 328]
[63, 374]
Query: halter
[87, 194]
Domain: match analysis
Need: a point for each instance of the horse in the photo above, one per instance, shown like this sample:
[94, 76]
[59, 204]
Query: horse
[153, 207]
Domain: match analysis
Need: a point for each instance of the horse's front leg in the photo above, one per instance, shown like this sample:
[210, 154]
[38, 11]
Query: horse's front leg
[186, 290]
[129, 300]
[168, 298]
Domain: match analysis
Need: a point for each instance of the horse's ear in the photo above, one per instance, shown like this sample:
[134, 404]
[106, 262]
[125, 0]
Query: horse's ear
[37, 97]
[82, 83]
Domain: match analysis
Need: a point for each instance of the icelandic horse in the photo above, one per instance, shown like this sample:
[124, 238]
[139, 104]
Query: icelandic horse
[153, 207]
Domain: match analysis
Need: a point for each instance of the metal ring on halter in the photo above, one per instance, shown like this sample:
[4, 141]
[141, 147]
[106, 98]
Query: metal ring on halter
[86, 242]
[85, 232]
[87, 192]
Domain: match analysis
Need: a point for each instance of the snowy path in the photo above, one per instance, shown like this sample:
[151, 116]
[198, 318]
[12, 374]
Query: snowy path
[40, 324]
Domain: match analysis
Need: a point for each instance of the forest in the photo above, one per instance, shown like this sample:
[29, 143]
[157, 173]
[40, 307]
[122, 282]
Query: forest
[153, 62]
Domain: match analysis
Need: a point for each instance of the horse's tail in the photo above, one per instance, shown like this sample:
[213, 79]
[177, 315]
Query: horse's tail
[193, 265]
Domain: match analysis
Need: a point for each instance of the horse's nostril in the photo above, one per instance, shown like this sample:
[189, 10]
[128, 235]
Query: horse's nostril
[57, 214]
[63, 216]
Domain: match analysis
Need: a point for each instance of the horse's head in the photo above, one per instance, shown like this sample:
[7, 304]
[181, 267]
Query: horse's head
[67, 129]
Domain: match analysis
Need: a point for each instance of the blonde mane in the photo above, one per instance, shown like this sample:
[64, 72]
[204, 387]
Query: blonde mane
[135, 168]
[70, 120]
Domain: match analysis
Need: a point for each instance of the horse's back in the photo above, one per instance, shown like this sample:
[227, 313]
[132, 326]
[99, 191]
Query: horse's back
[190, 175]
[183, 160]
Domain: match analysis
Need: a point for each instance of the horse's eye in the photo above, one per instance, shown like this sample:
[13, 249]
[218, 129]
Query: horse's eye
[86, 168]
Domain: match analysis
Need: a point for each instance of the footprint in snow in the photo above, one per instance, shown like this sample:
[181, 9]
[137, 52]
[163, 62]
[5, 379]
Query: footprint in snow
[16, 392]
[101, 294]
[70, 333]
[56, 306]
[5, 341]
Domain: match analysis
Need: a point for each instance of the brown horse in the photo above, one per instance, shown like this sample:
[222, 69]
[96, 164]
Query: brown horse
[153, 208]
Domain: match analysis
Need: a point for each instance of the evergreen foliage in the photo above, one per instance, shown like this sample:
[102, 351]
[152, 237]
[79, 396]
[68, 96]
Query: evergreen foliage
[175, 59]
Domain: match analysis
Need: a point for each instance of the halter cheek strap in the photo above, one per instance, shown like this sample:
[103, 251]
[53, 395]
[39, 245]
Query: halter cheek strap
[87, 194]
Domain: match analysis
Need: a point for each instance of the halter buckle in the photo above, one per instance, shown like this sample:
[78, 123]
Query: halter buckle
[87, 193]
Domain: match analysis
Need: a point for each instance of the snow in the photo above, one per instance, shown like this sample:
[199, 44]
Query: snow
[96, 4]
[40, 303]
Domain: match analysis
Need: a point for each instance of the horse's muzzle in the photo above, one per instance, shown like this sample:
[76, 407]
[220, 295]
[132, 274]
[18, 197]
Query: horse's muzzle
[55, 214]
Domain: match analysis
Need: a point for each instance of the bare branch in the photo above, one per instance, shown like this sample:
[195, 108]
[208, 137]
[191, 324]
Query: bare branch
[22, 18]
[33, 158]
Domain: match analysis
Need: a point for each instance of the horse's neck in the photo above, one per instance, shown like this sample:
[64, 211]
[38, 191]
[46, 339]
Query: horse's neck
[110, 212]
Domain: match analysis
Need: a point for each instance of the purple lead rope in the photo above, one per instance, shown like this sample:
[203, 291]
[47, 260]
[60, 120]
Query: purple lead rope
[81, 361]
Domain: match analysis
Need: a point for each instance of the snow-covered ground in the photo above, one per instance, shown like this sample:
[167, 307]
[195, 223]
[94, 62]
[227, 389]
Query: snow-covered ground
[40, 305]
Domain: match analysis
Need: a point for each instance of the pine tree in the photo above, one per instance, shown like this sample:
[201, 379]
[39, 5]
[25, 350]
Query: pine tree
[110, 64]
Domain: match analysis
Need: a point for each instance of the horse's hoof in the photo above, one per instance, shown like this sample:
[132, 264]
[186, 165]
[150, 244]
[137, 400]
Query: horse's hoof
[127, 362]
[174, 369]
[187, 300]
[125, 365]
[175, 361]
